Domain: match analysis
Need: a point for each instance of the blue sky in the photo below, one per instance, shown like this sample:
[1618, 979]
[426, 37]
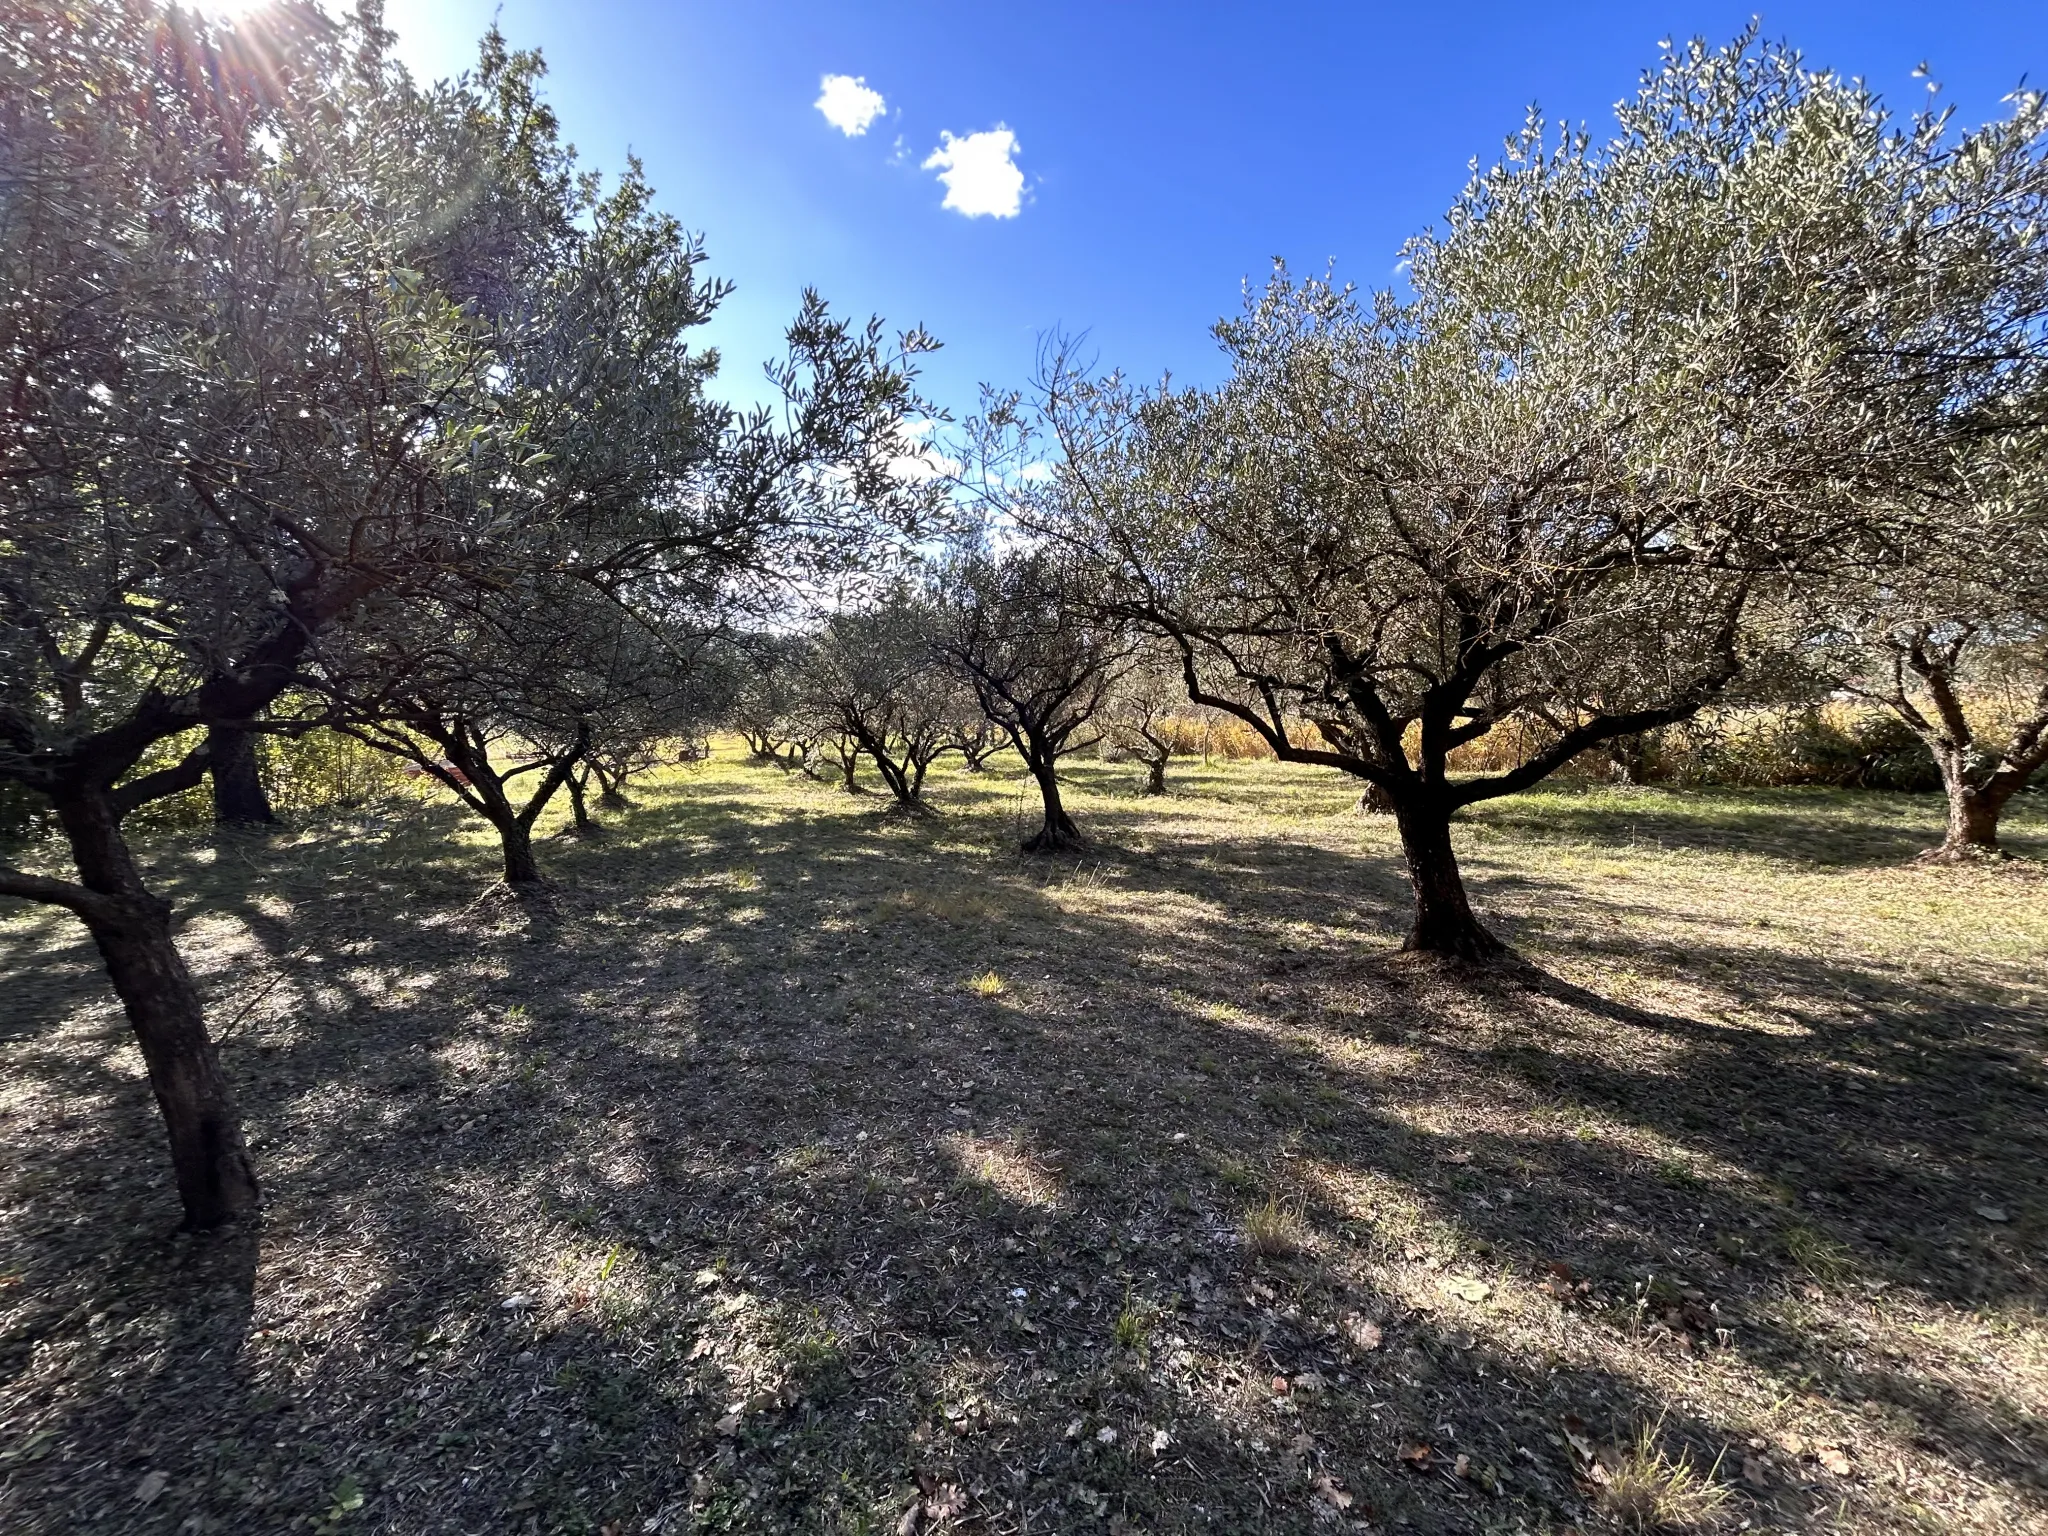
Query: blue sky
[1168, 151]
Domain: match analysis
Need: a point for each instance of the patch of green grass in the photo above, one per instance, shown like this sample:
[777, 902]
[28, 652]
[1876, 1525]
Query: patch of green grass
[1818, 1254]
[1276, 1228]
[1133, 1326]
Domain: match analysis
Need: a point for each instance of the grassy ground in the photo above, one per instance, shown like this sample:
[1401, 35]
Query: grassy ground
[804, 1167]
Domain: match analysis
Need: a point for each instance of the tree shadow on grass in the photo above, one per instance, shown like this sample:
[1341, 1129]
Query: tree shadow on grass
[705, 1201]
[1820, 828]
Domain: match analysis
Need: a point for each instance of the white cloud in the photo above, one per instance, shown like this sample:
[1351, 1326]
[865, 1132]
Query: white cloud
[848, 104]
[980, 174]
[918, 460]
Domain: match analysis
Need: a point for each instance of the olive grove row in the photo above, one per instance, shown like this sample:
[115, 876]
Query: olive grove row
[338, 400]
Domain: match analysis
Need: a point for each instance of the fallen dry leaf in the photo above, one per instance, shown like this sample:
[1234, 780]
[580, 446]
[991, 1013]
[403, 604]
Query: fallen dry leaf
[1832, 1458]
[1417, 1455]
[1331, 1492]
[949, 1501]
[1363, 1334]
[1580, 1442]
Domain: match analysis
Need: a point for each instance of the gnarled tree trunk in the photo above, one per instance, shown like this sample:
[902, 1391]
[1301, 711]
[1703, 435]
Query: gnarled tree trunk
[132, 927]
[1973, 810]
[577, 783]
[239, 798]
[1058, 831]
[1444, 924]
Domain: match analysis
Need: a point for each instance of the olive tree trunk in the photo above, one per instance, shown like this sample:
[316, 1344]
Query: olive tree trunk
[1057, 832]
[239, 798]
[1444, 924]
[1974, 810]
[578, 785]
[515, 838]
[132, 927]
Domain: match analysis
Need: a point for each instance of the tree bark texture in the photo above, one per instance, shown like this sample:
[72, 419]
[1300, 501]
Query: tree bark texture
[1444, 924]
[132, 927]
[239, 798]
[1973, 811]
[515, 835]
[1058, 831]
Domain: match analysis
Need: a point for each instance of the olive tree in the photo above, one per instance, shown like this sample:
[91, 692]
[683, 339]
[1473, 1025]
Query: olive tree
[1538, 503]
[1949, 631]
[1021, 631]
[875, 680]
[684, 514]
[234, 390]
[768, 708]
[677, 683]
[1140, 714]
[290, 343]
[493, 700]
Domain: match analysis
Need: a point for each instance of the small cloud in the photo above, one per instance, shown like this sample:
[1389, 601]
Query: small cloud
[980, 173]
[917, 460]
[848, 104]
[1035, 473]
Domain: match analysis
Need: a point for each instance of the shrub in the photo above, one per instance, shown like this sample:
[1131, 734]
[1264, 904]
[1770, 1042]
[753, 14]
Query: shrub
[315, 774]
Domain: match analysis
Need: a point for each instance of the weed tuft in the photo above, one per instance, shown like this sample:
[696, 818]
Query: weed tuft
[1817, 1253]
[1277, 1228]
[987, 984]
[1641, 1490]
[1133, 1326]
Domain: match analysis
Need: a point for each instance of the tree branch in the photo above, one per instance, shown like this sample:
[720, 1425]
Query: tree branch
[165, 781]
[57, 893]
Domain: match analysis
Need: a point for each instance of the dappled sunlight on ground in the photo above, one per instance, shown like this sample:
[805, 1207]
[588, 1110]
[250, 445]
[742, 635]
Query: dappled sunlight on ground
[797, 1165]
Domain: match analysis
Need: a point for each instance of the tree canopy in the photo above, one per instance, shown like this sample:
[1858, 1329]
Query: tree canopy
[1537, 500]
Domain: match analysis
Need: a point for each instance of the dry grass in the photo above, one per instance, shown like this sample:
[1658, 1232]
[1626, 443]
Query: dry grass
[1640, 1489]
[713, 1197]
[1277, 1229]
